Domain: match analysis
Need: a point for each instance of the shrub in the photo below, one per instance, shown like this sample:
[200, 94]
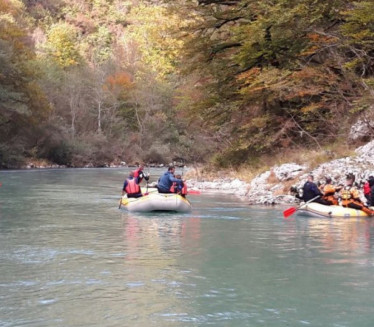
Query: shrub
[11, 156]
[60, 153]
[158, 153]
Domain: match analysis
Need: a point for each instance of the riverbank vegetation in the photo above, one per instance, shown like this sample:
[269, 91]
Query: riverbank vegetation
[303, 156]
[233, 83]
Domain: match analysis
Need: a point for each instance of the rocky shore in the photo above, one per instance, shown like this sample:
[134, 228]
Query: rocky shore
[273, 186]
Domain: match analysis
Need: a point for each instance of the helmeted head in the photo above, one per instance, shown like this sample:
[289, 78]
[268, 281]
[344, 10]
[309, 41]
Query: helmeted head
[131, 174]
[350, 179]
[310, 178]
[328, 180]
[171, 169]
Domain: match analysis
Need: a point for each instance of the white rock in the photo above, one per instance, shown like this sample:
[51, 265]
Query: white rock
[360, 130]
[288, 171]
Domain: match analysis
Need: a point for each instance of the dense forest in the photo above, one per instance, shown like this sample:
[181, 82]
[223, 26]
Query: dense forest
[223, 81]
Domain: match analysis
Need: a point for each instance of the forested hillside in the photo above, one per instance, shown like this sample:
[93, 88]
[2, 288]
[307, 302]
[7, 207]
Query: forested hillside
[101, 81]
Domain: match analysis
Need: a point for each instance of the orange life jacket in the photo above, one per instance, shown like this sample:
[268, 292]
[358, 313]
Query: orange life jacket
[346, 193]
[349, 194]
[329, 191]
[132, 186]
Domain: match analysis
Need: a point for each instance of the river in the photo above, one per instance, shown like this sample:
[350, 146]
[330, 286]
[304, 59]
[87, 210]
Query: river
[70, 257]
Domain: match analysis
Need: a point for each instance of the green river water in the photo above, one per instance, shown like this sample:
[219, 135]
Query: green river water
[69, 257]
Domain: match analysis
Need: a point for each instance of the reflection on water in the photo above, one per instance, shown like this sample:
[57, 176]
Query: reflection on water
[352, 239]
[69, 257]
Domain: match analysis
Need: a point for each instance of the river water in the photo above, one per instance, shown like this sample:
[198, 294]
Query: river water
[69, 257]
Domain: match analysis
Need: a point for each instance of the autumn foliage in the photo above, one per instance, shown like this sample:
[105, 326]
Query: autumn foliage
[93, 82]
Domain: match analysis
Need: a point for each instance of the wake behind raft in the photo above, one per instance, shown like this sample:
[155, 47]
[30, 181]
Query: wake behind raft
[315, 209]
[154, 201]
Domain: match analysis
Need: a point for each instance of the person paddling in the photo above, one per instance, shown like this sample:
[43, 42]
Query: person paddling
[139, 174]
[351, 198]
[311, 191]
[131, 187]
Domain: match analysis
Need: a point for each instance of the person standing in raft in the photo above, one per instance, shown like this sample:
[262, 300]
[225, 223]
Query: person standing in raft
[139, 174]
[311, 190]
[131, 187]
[351, 198]
[329, 191]
[166, 181]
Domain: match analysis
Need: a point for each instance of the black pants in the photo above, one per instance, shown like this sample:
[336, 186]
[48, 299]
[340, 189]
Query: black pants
[355, 206]
[134, 195]
[160, 190]
[319, 200]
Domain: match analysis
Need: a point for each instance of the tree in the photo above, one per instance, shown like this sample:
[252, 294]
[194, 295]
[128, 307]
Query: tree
[61, 45]
[22, 103]
[152, 28]
[359, 46]
[270, 71]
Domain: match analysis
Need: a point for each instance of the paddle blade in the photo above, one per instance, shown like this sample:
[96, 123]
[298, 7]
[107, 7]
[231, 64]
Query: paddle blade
[194, 192]
[289, 212]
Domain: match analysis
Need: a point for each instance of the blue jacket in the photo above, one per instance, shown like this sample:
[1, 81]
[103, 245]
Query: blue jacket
[166, 180]
[310, 191]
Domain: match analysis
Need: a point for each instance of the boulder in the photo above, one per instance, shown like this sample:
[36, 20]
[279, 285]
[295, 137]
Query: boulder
[360, 131]
[288, 171]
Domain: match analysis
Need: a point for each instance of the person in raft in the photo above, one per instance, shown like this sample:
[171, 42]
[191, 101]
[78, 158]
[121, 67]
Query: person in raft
[139, 174]
[131, 187]
[166, 181]
[329, 191]
[311, 190]
[179, 188]
[367, 189]
[371, 184]
[351, 198]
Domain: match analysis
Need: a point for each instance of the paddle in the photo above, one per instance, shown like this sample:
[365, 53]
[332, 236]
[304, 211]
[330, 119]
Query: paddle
[120, 203]
[194, 192]
[148, 179]
[290, 211]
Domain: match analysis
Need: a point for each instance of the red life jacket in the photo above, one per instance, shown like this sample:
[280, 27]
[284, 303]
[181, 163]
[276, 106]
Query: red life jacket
[132, 186]
[173, 188]
[184, 189]
[137, 173]
[366, 188]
